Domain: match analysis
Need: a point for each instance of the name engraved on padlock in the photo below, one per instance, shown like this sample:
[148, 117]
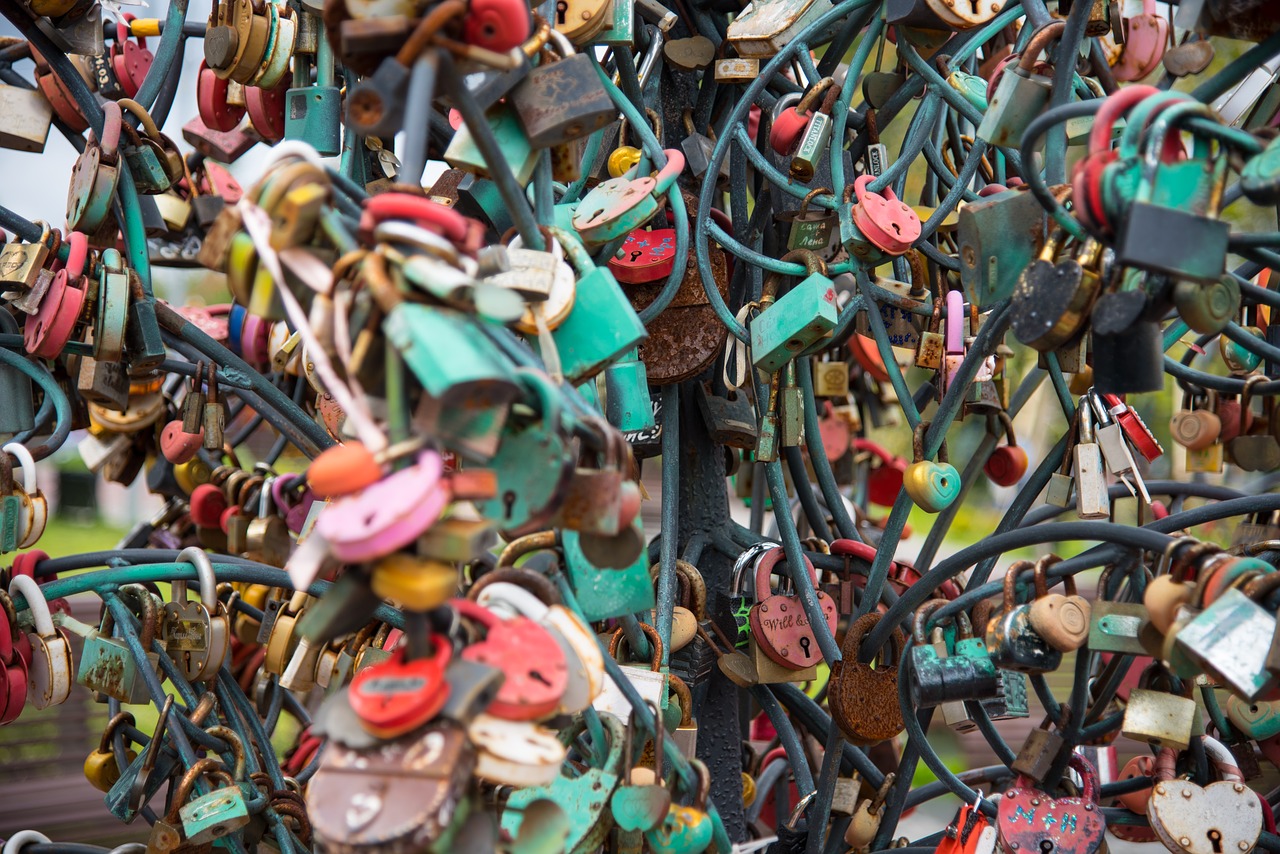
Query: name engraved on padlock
[391, 685]
[186, 634]
[791, 620]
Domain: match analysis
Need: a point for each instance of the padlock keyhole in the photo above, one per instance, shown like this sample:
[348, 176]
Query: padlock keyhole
[508, 502]
[1046, 845]
[804, 645]
[974, 4]
[1215, 839]
[562, 9]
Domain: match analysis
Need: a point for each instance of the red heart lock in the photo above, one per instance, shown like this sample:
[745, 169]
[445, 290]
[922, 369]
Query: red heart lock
[1028, 817]
[645, 256]
[883, 219]
[780, 624]
[528, 656]
[207, 505]
[398, 695]
[266, 110]
[211, 99]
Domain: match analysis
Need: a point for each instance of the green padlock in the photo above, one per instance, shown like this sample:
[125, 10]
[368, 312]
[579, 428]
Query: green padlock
[628, 405]
[216, 814]
[1000, 235]
[10, 508]
[798, 319]
[584, 797]
[602, 325]
[313, 114]
[464, 154]
[606, 592]
[452, 359]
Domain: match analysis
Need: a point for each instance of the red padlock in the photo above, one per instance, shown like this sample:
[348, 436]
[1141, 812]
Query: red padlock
[883, 218]
[1007, 463]
[211, 99]
[266, 110]
[207, 506]
[177, 445]
[497, 25]
[884, 483]
[780, 624]
[528, 656]
[395, 696]
[130, 60]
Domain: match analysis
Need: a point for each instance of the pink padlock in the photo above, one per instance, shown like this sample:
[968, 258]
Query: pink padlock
[531, 660]
[1146, 36]
[255, 341]
[48, 330]
[883, 219]
[388, 515]
[266, 110]
[780, 624]
[177, 445]
[211, 99]
[130, 60]
[834, 431]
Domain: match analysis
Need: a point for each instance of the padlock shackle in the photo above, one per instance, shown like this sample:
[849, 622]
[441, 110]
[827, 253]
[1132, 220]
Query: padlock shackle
[507, 596]
[655, 641]
[917, 444]
[765, 567]
[199, 558]
[108, 732]
[1116, 105]
[1041, 579]
[182, 792]
[1038, 44]
[1168, 119]
[26, 462]
[1011, 580]
[142, 600]
[529, 543]
[232, 738]
[746, 559]
[681, 689]
[36, 603]
[148, 124]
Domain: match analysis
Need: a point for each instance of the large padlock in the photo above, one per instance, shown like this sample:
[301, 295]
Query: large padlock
[864, 699]
[1030, 819]
[967, 674]
[562, 100]
[779, 623]
[1190, 819]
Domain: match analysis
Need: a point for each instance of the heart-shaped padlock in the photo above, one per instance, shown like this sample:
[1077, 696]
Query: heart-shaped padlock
[864, 699]
[388, 515]
[528, 656]
[780, 624]
[1191, 819]
[931, 485]
[883, 219]
[399, 695]
[1030, 820]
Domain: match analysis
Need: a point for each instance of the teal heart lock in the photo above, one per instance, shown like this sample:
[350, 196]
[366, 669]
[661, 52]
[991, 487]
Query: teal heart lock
[931, 485]
[686, 829]
[585, 797]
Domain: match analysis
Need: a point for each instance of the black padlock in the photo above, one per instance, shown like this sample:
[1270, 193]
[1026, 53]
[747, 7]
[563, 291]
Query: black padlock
[1130, 362]
[730, 417]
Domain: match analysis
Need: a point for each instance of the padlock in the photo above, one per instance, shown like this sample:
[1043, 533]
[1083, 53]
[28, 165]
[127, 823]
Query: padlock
[1160, 718]
[1223, 816]
[562, 100]
[1007, 463]
[779, 623]
[1012, 642]
[931, 485]
[196, 635]
[1223, 640]
[990, 268]
[802, 316]
[759, 31]
[863, 699]
[49, 679]
[1021, 93]
[968, 674]
[1031, 819]
[100, 767]
[1062, 620]
[313, 113]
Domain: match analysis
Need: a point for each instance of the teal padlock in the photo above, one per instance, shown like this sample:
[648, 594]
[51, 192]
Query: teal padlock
[999, 239]
[584, 797]
[313, 114]
[10, 508]
[618, 206]
[852, 238]
[627, 404]
[606, 592]
[452, 359]
[216, 814]
[533, 464]
[1020, 96]
[602, 325]
[464, 154]
[798, 319]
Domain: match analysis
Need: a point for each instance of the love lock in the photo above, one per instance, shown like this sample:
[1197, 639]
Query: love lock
[779, 622]
[1222, 817]
[400, 694]
[389, 514]
[94, 177]
[529, 657]
[864, 699]
[621, 205]
[890, 224]
[196, 634]
[1031, 820]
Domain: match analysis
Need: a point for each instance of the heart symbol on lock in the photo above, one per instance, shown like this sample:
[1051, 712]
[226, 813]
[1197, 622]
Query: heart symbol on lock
[1223, 816]
[1028, 817]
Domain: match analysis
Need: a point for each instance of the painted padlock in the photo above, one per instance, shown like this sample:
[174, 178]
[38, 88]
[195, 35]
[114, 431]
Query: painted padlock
[388, 515]
[779, 623]
[1030, 820]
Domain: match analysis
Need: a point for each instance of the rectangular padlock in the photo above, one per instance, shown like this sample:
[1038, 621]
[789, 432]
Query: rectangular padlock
[800, 318]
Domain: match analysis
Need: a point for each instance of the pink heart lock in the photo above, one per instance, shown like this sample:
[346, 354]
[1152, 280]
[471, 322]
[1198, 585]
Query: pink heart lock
[780, 624]
[883, 219]
[834, 432]
[50, 328]
[1028, 817]
[1146, 36]
[388, 515]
